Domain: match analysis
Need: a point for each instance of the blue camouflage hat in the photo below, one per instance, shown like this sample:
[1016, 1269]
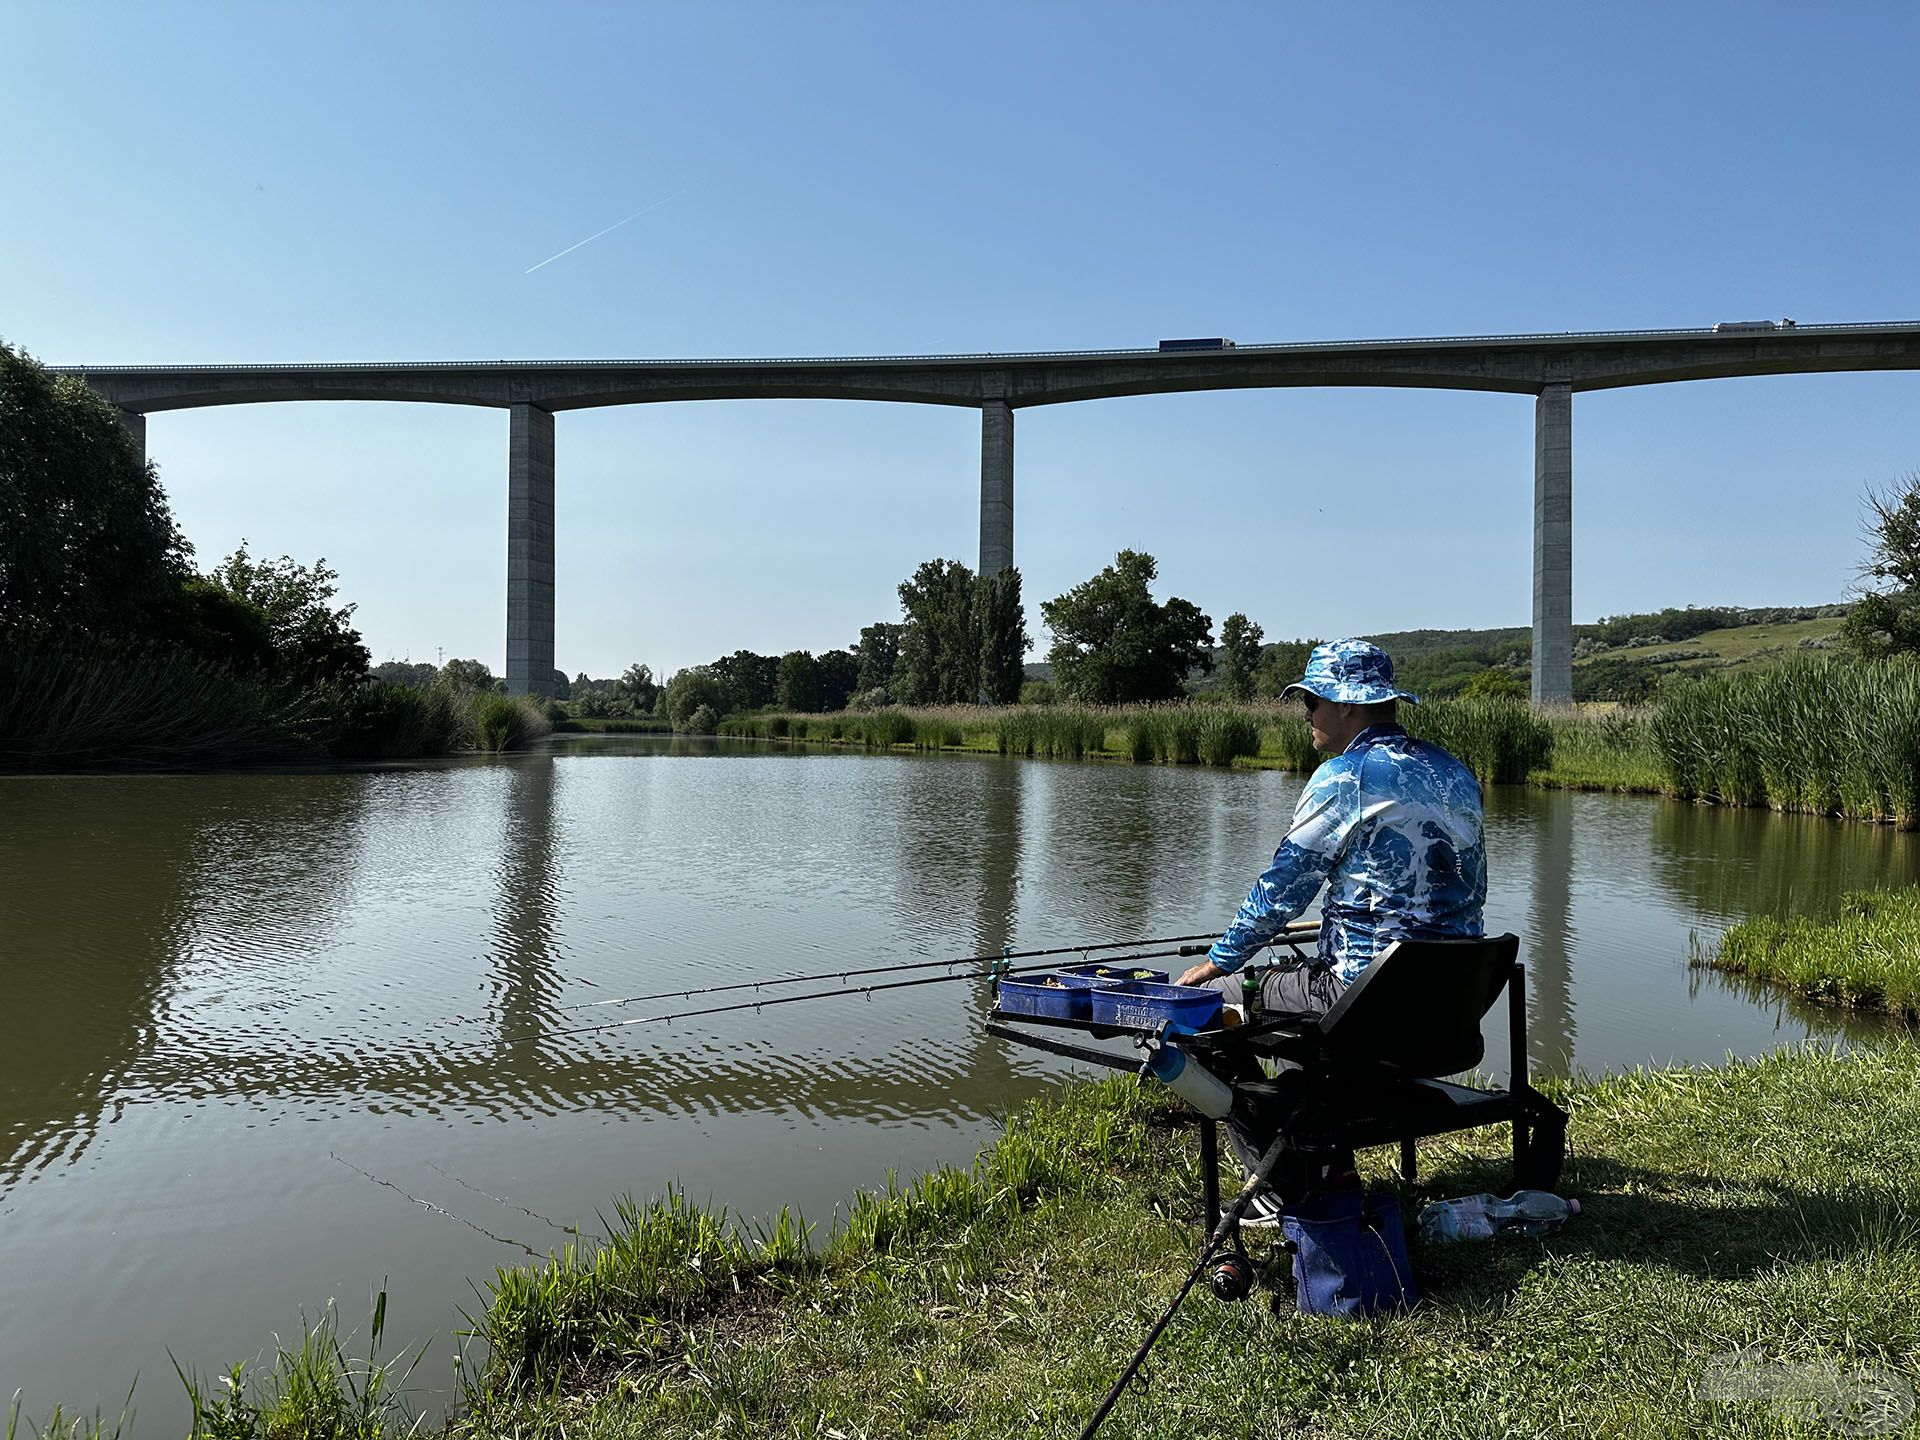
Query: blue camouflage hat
[1350, 672]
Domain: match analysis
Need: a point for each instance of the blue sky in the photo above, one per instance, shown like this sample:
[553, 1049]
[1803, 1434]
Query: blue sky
[211, 183]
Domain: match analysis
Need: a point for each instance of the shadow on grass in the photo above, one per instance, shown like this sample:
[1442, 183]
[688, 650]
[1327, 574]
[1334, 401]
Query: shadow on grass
[1702, 1226]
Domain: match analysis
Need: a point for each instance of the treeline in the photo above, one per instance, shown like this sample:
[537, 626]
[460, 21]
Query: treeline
[115, 649]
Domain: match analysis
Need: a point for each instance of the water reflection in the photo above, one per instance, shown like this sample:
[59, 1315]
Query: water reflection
[138, 910]
[1728, 864]
[526, 911]
[1549, 939]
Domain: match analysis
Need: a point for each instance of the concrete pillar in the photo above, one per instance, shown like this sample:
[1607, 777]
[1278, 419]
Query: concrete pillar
[996, 487]
[135, 425]
[1553, 546]
[530, 552]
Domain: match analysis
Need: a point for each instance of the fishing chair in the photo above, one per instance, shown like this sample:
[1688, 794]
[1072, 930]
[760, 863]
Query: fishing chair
[1368, 1071]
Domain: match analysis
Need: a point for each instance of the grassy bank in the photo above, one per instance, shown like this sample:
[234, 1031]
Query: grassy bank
[1866, 958]
[1761, 1220]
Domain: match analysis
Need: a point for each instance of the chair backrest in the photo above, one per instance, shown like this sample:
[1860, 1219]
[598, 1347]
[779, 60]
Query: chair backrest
[1418, 1005]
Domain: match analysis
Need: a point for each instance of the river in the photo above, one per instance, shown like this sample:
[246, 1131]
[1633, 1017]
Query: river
[268, 1039]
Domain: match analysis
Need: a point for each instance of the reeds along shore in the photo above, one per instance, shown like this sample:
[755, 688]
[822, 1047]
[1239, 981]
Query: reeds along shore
[1816, 736]
[136, 708]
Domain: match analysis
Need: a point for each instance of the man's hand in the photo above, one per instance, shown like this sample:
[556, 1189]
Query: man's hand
[1202, 974]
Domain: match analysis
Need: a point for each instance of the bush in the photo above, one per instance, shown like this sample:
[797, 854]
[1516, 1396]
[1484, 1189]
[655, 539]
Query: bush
[507, 722]
[703, 721]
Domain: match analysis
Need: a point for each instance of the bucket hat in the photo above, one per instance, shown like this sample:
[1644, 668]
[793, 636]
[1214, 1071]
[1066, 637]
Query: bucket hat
[1350, 672]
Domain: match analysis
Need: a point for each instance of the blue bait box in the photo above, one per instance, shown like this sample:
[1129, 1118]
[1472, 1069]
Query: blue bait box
[1105, 970]
[1147, 1004]
[1065, 999]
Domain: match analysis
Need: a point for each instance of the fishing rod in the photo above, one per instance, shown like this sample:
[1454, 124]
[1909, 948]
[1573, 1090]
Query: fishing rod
[1183, 951]
[1294, 933]
[1225, 1235]
[1295, 929]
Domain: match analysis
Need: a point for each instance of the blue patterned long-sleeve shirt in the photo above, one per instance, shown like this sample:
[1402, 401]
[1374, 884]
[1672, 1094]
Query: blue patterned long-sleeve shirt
[1392, 826]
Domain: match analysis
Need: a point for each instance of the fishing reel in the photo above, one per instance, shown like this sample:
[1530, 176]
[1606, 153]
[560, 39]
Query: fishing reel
[1233, 1276]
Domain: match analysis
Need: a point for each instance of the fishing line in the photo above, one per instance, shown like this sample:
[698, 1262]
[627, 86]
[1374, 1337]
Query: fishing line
[688, 994]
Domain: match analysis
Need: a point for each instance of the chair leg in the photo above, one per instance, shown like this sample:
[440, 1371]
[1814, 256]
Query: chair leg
[1408, 1167]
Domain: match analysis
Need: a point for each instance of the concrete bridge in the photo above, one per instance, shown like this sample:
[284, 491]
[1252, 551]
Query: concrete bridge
[1549, 367]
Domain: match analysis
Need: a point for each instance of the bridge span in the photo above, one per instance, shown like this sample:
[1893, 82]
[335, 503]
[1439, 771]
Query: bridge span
[1549, 367]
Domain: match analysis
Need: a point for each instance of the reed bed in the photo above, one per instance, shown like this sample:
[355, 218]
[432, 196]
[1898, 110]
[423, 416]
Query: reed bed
[1815, 736]
[1865, 958]
[1501, 740]
[144, 708]
[1604, 750]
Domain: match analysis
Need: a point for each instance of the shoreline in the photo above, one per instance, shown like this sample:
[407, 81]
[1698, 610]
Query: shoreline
[1003, 1298]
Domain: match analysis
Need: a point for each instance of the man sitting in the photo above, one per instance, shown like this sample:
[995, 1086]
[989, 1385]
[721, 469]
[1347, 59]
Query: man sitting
[1389, 824]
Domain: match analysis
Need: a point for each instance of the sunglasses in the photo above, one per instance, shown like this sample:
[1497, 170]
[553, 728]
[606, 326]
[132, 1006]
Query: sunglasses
[1310, 700]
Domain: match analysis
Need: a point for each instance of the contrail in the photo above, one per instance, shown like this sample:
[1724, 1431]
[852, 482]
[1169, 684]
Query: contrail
[608, 231]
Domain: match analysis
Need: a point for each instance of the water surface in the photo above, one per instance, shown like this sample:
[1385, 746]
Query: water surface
[232, 1006]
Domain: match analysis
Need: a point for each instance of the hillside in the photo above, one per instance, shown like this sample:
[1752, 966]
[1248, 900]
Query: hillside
[1621, 657]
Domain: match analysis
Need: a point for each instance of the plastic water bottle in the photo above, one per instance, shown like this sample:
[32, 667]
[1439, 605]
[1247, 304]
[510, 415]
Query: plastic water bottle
[1480, 1217]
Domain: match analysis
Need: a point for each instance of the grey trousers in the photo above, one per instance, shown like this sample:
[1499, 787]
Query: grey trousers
[1304, 986]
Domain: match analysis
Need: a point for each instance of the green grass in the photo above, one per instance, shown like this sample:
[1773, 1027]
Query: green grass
[1866, 958]
[1767, 1213]
[1740, 647]
[1769, 1210]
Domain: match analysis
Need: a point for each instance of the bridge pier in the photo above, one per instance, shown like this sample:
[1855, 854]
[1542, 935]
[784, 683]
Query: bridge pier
[135, 425]
[996, 487]
[530, 551]
[1553, 546]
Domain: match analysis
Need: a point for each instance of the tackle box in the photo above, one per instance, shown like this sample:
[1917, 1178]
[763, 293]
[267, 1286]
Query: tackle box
[1102, 970]
[1064, 999]
[1144, 1003]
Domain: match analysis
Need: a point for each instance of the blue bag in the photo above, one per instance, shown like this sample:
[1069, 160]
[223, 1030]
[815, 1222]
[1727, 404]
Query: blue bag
[1349, 1255]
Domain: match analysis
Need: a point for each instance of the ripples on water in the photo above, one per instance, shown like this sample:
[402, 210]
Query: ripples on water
[216, 985]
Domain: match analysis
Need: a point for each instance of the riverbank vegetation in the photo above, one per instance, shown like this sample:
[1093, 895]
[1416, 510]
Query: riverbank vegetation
[1730, 1271]
[1867, 957]
[1818, 736]
[115, 651]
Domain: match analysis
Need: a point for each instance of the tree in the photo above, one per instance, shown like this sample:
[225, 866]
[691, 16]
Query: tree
[1240, 640]
[1002, 623]
[797, 687]
[1112, 643]
[835, 673]
[691, 690]
[88, 547]
[1280, 665]
[405, 672]
[879, 652]
[639, 689]
[749, 680]
[313, 643]
[467, 675]
[1494, 684]
[939, 646]
[1887, 622]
